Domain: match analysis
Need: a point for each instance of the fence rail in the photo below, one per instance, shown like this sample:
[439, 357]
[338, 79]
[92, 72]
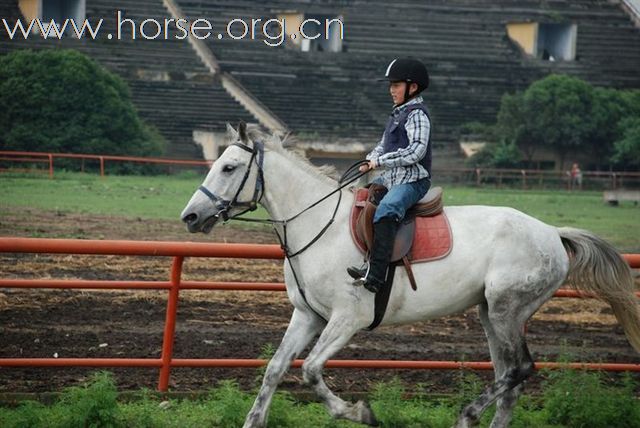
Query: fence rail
[178, 251]
[49, 158]
[531, 178]
[523, 178]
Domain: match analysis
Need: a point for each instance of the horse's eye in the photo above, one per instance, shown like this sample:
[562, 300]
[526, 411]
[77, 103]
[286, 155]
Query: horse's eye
[228, 168]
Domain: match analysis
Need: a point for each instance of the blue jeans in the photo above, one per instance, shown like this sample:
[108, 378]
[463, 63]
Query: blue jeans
[400, 198]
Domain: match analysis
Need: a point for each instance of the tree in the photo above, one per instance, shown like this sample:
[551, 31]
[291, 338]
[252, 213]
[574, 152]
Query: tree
[611, 108]
[62, 101]
[627, 149]
[500, 155]
[558, 113]
[567, 114]
[513, 127]
[554, 112]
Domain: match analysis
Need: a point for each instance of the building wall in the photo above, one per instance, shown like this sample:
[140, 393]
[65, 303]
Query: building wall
[31, 9]
[525, 34]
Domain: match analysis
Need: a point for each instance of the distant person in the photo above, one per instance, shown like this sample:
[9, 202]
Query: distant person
[576, 176]
[404, 153]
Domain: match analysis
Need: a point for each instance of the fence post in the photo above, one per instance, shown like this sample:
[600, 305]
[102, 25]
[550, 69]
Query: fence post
[170, 324]
[50, 165]
[524, 179]
[101, 166]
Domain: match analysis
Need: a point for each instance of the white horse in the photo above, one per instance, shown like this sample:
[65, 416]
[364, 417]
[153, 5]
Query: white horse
[503, 261]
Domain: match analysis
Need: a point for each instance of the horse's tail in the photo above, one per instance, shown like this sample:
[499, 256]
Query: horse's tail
[597, 268]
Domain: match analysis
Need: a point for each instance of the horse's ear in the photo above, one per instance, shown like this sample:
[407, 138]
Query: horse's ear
[231, 133]
[242, 130]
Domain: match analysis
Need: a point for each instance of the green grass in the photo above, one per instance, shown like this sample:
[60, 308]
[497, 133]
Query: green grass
[620, 225]
[164, 197]
[571, 399]
[149, 197]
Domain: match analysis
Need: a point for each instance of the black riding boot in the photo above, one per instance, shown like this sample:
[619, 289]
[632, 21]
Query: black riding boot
[373, 276]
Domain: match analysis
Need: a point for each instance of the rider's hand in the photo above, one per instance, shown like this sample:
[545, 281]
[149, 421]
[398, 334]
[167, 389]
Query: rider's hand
[367, 167]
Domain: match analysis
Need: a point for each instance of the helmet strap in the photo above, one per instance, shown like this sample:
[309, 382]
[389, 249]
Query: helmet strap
[407, 95]
[406, 92]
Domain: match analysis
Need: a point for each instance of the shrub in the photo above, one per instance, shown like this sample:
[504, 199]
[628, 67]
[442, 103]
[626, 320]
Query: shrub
[62, 101]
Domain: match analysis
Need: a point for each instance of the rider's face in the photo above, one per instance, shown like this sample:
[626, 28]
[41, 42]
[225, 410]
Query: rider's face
[397, 91]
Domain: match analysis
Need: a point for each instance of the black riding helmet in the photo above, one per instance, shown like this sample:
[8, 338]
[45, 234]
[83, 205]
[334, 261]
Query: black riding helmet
[408, 70]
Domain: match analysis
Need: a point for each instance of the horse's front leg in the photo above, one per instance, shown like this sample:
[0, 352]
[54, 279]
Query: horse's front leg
[337, 333]
[302, 328]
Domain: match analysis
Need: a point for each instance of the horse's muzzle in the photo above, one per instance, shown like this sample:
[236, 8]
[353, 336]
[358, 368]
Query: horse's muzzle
[195, 224]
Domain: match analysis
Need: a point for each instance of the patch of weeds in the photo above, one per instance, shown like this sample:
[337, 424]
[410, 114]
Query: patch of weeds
[92, 405]
[581, 399]
[228, 404]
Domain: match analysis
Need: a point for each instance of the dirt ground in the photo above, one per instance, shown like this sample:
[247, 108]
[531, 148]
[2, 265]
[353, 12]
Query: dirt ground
[214, 324]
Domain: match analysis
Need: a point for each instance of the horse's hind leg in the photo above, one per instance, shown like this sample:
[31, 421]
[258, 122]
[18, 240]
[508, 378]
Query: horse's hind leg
[334, 337]
[506, 403]
[302, 328]
[507, 311]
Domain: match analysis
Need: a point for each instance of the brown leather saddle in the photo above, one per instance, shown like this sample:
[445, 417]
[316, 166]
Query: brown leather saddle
[430, 205]
[423, 235]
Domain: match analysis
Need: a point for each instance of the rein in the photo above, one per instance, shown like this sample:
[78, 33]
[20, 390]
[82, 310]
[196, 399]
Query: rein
[257, 155]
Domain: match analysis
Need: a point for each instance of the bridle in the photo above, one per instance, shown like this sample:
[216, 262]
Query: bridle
[257, 157]
[224, 205]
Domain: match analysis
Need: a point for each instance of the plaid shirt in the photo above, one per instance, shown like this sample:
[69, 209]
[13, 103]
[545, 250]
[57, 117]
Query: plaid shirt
[403, 165]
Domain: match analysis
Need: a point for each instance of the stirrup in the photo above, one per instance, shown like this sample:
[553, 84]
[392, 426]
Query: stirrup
[372, 286]
[358, 272]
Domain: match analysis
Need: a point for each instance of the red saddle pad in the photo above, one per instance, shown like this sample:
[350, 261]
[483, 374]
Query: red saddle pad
[432, 240]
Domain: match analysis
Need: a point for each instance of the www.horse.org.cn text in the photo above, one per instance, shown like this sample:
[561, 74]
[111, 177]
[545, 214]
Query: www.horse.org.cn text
[272, 31]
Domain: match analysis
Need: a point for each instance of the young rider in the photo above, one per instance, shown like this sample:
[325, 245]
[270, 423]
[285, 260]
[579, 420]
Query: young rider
[404, 153]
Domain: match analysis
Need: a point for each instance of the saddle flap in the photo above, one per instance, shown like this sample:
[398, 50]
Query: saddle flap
[404, 240]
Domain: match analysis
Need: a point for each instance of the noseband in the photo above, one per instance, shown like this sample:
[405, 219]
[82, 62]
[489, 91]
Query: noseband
[225, 205]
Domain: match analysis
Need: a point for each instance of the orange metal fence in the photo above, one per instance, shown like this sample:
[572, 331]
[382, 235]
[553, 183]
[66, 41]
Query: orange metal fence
[49, 158]
[178, 251]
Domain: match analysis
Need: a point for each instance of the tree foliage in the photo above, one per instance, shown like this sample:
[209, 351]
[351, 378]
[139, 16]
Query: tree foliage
[566, 114]
[62, 101]
[554, 112]
[627, 148]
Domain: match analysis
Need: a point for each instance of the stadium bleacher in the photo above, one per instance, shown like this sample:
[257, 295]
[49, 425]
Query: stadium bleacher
[335, 96]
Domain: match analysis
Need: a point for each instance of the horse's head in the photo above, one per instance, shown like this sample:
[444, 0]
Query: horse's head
[233, 186]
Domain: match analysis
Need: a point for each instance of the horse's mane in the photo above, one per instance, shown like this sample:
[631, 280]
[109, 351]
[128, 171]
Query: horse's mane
[277, 144]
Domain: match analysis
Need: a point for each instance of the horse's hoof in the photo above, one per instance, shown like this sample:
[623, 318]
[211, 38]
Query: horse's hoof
[366, 414]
